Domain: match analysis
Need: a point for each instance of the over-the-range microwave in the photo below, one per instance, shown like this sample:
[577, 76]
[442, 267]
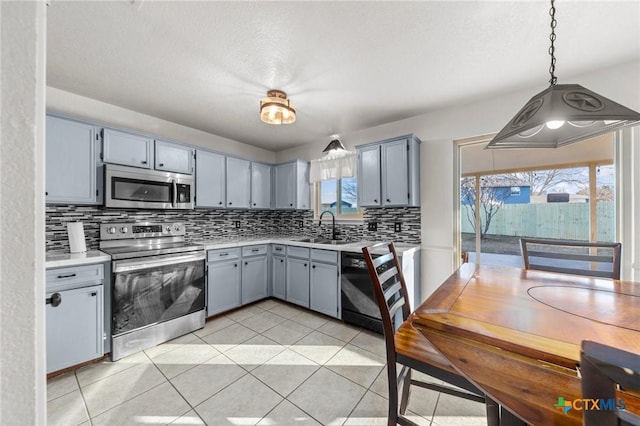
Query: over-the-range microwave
[130, 187]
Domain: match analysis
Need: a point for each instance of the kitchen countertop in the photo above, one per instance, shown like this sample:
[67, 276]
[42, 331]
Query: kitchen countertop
[355, 247]
[56, 260]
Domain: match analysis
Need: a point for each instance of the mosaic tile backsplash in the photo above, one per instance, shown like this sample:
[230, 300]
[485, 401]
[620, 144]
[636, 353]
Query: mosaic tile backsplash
[205, 224]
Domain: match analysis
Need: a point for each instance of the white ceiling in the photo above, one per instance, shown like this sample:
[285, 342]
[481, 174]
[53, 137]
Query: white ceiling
[345, 65]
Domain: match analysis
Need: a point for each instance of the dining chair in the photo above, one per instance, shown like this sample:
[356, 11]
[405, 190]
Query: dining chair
[406, 346]
[572, 257]
[605, 370]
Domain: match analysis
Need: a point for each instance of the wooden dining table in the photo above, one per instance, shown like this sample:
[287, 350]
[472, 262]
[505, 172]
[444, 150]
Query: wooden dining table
[516, 334]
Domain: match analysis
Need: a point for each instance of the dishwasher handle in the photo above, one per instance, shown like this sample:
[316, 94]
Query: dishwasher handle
[55, 300]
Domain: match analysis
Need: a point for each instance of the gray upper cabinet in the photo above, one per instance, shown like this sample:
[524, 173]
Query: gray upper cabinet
[369, 176]
[211, 179]
[260, 186]
[172, 157]
[127, 149]
[389, 173]
[73, 166]
[292, 189]
[238, 183]
[395, 173]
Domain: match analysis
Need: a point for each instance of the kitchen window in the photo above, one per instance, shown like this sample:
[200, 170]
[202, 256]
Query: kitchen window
[339, 196]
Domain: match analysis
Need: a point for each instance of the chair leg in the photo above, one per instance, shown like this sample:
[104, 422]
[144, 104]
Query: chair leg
[393, 397]
[406, 389]
[493, 412]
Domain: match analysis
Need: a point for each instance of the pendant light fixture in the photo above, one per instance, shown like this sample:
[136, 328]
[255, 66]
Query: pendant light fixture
[334, 145]
[562, 114]
[276, 108]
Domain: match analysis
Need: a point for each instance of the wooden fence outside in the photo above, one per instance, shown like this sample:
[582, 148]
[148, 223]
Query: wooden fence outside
[548, 220]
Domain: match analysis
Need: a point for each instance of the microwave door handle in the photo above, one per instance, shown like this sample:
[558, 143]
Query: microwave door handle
[175, 194]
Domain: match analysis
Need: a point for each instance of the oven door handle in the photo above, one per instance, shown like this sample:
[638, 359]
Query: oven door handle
[154, 262]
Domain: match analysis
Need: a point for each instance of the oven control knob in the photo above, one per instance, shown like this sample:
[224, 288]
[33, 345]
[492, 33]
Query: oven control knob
[176, 228]
[168, 229]
[124, 229]
[111, 230]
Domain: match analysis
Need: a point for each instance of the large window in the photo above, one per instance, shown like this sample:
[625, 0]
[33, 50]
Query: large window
[507, 195]
[339, 196]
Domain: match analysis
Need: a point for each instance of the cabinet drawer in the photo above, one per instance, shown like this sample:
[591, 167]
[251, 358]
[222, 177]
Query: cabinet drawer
[74, 277]
[279, 249]
[330, 256]
[254, 250]
[302, 252]
[223, 254]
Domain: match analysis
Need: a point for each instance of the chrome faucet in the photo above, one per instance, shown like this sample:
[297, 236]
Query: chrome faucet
[333, 223]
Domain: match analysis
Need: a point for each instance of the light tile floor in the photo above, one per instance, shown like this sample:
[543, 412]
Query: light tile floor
[270, 363]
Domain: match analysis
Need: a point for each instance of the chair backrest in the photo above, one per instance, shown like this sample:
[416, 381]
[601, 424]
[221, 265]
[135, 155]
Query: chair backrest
[604, 370]
[572, 257]
[390, 288]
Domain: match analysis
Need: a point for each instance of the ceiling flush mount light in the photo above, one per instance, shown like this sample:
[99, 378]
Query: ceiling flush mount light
[276, 108]
[562, 113]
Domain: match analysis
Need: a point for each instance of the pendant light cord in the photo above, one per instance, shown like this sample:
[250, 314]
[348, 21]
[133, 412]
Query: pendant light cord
[552, 49]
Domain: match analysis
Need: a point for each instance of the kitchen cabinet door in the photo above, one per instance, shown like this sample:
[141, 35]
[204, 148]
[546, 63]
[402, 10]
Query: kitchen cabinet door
[324, 288]
[260, 186]
[298, 281]
[126, 149]
[278, 277]
[223, 286]
[369, 176]
[395, 173]
[285, 186]
[303, 189]
[254, 279]
[211, 179]
[171, 157]
[73, 167]
[74, 327]
[238, 183]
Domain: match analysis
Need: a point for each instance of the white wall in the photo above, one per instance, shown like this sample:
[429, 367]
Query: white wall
[78, 106]
[22, 329]
[438, 129]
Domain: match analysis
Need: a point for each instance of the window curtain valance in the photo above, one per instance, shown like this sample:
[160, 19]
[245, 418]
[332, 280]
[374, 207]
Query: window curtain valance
[334, 165]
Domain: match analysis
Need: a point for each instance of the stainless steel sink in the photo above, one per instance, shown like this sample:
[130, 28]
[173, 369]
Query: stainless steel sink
[313, 240]
[322, 241]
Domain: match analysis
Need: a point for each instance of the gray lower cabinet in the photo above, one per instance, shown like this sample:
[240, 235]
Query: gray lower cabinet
[127, 149]
[223, 285]
[74, 315]
[254, 278]
[324, 285]
[279, 277]
[73, 163]
[298, 281]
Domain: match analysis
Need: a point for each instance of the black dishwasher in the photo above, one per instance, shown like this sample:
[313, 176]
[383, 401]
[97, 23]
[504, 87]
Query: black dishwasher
[359, 305]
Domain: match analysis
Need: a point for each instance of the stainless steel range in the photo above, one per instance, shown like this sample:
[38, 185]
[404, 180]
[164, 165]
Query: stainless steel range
[157, 287]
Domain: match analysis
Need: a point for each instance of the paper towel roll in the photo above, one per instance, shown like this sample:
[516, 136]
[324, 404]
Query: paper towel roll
[76, 237]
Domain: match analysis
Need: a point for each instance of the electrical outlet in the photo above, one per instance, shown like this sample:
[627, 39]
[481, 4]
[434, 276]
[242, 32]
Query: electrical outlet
[372, 226]
[397, 227]
[237, 224]
[300, 224]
